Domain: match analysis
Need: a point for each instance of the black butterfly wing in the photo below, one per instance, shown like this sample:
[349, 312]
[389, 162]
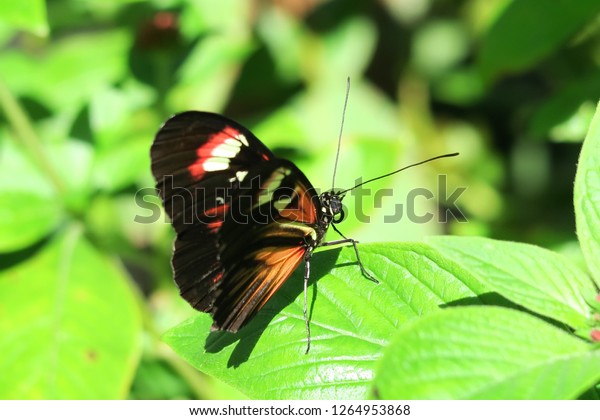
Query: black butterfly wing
[200, 153]
[259, 256]
[243, 217]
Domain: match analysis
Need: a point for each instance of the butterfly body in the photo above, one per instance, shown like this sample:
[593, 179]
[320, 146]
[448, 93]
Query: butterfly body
[244, 219]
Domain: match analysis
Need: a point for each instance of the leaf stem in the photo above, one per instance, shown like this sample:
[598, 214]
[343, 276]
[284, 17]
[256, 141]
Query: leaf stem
[25, 133]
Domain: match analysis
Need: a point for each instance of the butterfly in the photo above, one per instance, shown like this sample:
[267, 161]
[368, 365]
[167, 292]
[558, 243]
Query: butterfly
[244, 218]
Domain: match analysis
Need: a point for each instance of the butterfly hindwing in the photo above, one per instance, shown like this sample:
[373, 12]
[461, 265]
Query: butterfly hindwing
[244, 218]
[260, 255]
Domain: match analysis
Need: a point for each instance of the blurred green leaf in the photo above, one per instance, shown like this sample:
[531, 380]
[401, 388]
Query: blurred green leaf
[75, 69]
[29, 15]
[540, 280]
[71, 160]
[156, 380]
[283, 36]
[460, 87]
[207, 16]
[209, 73]
[17, 165]
[563, 104]
[575, 128]
[316, 114]
[78, 156]
[342, 52]
[485, 353]
[115, 114]
[26, 217]
[120, 167]
[529, 30]
[587, 198]
[440, 45]
[69, 325]
[352, 320]
[407, 12]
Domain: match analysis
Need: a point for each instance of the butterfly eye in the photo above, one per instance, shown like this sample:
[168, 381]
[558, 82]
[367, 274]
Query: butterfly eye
[339, 215]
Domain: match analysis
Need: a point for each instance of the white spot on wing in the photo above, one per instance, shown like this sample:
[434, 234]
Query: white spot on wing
[215, 164]
[226, 150]
[241, 175]
[243, 139]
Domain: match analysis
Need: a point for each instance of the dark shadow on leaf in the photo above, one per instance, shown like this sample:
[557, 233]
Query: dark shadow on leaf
[11, 259]
[496, 299]
[591, 394]
[321, 263]
[36, 110]
[491, 298]
[82, 128]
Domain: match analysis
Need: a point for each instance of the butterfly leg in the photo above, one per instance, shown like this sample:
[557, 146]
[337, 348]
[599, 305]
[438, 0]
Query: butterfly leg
[306, 277]
[353, 242]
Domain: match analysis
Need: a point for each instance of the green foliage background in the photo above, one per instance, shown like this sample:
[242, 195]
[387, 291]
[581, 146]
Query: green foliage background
[86, 290]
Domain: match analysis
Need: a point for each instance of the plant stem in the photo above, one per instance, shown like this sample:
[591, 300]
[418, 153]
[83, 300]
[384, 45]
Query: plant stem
[25, 133]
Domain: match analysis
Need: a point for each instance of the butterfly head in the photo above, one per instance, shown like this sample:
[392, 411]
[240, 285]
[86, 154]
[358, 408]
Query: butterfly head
[331, 205]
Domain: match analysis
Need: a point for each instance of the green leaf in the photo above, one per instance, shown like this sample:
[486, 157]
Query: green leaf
[345, 50]
[540, 280]
[283, 35]
[485, 353]
[209, 72]
[16, 164]
[587, 198]
[26, 217]
[71, 159]
[439, 45]
[352, 320]
[529, 30]
[29, 15]
[69, 325]
[563, 105]
[206, 16]
[119, 167]
[76, 68]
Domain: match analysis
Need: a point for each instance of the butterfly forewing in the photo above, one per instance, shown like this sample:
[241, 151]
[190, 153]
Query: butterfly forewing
[244, 219]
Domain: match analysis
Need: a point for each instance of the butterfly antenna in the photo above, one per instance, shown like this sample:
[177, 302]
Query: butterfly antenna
[337, 155]
[400, 170]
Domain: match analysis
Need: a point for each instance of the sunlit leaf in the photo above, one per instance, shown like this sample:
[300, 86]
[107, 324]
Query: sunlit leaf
[209, 72]
[587, 198]
[352, 320]
[29, 15]
[26, 217]
[485, 353]
[75, 68]
[529, 30]
[69, 325]
[540, 280]
[120, 167]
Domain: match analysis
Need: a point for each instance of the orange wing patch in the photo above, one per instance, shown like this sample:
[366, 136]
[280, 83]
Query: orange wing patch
[281, 263]
[300, 208]
[256, 279]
